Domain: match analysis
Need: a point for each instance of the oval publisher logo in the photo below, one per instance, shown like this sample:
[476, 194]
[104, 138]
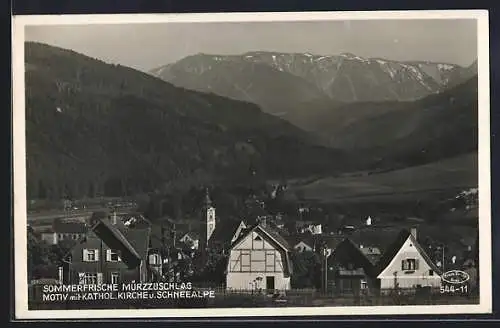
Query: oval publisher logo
[455, 277]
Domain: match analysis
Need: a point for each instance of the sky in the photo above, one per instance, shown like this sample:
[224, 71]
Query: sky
[147, 46]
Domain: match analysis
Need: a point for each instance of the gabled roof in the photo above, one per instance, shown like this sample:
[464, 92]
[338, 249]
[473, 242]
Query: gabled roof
[69, 227]
[139, 239]
[375, 236]
[348, 251]
[394, 248]
[135, 241]
[274, 238]
[192, 234]
[224, 231]
[332, 241]
[309, 243]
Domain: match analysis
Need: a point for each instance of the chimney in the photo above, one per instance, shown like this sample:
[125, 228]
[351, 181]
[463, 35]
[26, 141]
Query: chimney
[413, 232]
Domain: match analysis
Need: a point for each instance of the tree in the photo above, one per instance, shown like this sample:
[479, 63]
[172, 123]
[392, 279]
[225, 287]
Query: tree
[307, 267]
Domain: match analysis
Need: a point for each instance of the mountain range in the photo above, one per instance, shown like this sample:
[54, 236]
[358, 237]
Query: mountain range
[94, 128]
[100, 129]
[301, 87]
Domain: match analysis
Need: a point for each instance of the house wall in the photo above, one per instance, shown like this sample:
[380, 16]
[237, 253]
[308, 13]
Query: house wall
[393, 275]
[251, 259]
[248, 280]
[103, 266]
[49, 237]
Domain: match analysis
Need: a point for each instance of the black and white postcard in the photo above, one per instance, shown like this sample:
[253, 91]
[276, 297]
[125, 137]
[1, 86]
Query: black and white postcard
[222, 165]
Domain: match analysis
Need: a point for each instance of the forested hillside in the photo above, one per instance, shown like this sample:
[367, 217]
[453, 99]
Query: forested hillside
[99, 129]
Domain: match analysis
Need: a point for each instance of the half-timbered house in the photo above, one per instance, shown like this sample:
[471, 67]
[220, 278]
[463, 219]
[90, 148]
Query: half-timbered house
[259, 260]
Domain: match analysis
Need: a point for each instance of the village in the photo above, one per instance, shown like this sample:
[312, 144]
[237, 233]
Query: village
[259, 258]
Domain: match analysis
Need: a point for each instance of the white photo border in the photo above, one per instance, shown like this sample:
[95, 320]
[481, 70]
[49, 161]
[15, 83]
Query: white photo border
[19, 159]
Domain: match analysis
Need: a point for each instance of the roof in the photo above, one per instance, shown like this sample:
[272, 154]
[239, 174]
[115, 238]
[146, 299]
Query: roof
[348, 252]
[224, 232]
[135, 241]
[69, 227]
[332, 241]
[274, 238]
[139, 239]
[394, 248]
[301, 223]
[192, 234]
[375, 237]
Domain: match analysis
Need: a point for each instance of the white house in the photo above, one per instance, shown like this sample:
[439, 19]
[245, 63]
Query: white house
[259, 259]
[406, 265]
[64, 231]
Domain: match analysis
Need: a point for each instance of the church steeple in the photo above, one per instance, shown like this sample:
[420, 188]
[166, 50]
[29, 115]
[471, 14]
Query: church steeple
[209, 216]
[208, 201]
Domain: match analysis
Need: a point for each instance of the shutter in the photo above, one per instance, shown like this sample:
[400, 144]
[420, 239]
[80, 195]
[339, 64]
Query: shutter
[99, 278]
[97, 255]
[403, 265]
[81, 278]
[416, 264]
[108, 255]
[85, 255]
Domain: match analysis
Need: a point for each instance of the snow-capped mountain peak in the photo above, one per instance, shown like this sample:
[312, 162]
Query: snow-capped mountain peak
[346, 77]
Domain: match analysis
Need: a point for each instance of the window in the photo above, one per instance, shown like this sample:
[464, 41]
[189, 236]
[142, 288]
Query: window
[364, 284]
[112, 255]
[431, 272]
[61, 237]
[154, 259]
[115, 277]
[409, 265]
[90, 255]
[88, 278]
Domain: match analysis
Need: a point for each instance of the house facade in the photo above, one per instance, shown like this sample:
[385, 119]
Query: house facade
[259, 259]
[349, 271]
[64, 231]
[405, 265]
[109, 253]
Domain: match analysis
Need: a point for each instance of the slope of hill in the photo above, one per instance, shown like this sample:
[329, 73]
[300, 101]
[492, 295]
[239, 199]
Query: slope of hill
[277, 92]
[345, 77]
[435, 127]
[418, 183]
[95, 128]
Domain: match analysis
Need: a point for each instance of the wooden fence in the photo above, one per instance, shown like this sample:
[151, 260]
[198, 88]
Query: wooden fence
[225, 298]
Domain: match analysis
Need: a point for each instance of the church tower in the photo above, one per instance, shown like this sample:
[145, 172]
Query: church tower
[209, 217]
